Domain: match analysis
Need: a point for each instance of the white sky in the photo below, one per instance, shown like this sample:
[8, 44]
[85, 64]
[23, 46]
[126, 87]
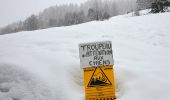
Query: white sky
[15, 10]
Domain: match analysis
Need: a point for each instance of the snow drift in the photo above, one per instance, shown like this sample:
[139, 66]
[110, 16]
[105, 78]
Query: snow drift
[44, 64]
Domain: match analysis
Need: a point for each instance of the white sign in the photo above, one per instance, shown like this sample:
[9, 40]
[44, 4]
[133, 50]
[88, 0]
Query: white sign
[96, 54]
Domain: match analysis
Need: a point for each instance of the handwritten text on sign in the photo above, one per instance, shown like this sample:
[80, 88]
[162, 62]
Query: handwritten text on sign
[96, 54]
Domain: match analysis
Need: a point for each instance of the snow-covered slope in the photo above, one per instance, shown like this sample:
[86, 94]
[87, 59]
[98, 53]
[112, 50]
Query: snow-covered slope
[44, 64]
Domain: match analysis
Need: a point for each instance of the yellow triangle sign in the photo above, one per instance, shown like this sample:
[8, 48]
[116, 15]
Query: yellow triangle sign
[99, 83]
[99, 78]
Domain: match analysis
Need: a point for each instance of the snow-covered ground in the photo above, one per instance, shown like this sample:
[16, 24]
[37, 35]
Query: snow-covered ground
[44, 64]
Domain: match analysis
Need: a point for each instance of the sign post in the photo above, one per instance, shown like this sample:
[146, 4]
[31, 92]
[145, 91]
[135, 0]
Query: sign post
[96, 59]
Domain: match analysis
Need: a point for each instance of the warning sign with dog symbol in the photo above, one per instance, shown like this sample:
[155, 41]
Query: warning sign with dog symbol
[99, 83]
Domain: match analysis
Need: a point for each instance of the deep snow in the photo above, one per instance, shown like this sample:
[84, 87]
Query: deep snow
[44, 64]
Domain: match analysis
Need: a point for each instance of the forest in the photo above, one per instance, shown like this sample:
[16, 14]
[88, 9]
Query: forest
[71, 14]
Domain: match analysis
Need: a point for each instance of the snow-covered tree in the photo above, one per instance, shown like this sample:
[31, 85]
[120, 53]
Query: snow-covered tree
[145, 4]
[5, 30]
[31, 23]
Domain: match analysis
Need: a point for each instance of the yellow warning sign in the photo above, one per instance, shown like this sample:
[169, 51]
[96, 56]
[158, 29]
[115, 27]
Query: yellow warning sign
[99, 83]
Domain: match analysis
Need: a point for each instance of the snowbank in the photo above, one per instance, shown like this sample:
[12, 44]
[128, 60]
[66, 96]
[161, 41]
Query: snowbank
[44, 64]
[19, 84]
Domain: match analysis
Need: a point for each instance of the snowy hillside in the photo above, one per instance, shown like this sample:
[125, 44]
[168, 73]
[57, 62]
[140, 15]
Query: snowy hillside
[44, 64]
